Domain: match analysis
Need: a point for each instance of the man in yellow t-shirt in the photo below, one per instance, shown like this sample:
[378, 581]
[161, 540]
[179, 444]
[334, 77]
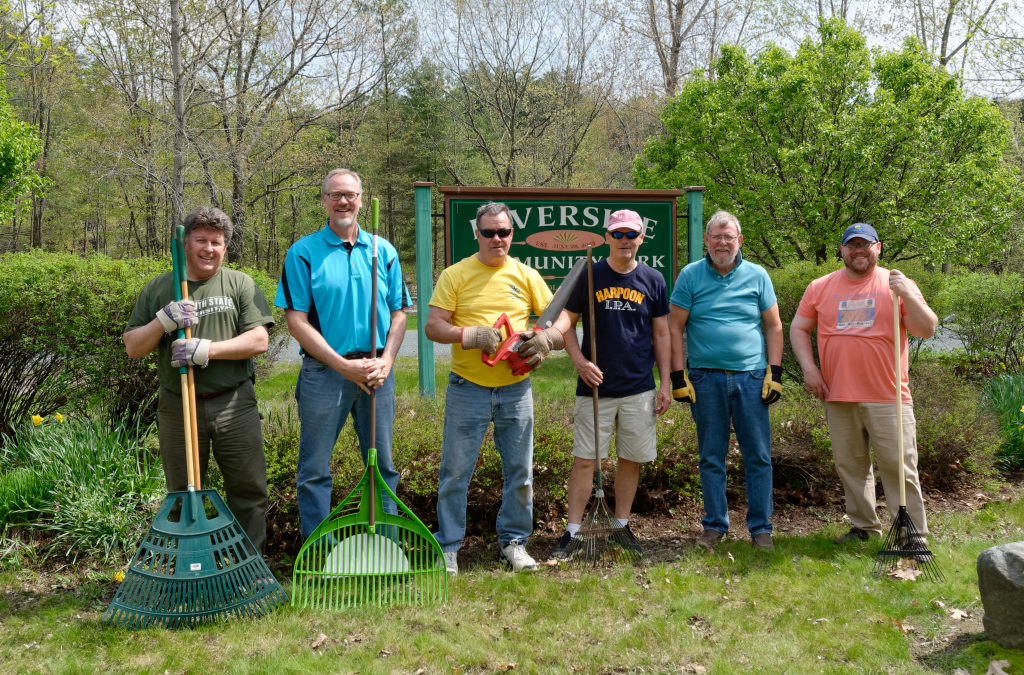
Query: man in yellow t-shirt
[469, 298]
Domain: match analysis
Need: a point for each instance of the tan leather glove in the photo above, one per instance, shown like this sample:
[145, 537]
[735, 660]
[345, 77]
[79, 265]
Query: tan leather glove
[536, 345]
[484, 338]
[177, 315]
[190, 352]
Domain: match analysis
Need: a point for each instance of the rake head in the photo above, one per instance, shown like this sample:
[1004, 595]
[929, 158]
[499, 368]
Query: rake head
[195, 565]
[905, 543]
[601, 538]
[346, 562]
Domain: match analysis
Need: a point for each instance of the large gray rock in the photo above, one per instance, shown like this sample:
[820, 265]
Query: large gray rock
[1001, 582]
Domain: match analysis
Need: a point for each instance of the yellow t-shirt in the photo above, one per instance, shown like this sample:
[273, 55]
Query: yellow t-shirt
[477, 295]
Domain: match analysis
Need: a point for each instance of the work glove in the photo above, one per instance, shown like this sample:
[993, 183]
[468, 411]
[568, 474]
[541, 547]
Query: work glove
[536, 345]
[682, 389]
[190, 352]
[484, 338]
[177, 315]
[771, 390]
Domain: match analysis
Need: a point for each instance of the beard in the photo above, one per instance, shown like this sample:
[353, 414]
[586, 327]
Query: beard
[722, 259]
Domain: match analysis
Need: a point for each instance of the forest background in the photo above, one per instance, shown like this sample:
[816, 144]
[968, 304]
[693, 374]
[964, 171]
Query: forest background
[128, 113]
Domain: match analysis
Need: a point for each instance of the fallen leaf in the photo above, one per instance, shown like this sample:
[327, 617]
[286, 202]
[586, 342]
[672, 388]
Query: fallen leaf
[512, 666]
[958, 671]
[823, 619]
[696, 667]
[385, 653]
[996, 667]
[729, 554]
[937, 603]
[955, 614]
[906, 569]
[321, 638]
[551, 562]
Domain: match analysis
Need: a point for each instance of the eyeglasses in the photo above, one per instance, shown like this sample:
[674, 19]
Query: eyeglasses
[503, 232]
[628, 235]
[858, 244]
[349, 196]
[727, 238]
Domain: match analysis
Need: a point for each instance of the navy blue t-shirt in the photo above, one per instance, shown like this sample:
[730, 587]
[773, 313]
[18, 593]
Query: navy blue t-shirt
[624, 306]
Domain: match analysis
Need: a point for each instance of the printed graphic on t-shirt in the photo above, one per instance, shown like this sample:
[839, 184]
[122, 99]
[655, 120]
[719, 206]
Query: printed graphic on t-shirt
[214, 304]
[858, 313]
[516, 291]
[619, 298]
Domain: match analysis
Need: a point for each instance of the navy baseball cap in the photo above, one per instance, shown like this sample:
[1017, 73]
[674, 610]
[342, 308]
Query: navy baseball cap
[859, 231]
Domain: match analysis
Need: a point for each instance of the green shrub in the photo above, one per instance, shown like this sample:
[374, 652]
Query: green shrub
[988, 317]
[1005, 395]
[790, 282]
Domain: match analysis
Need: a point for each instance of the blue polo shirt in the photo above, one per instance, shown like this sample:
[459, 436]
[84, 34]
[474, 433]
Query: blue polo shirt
[331, 281]
[724, 326]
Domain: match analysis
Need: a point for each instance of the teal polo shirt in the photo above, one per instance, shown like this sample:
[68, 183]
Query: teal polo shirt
[331, 281]
[724, 326]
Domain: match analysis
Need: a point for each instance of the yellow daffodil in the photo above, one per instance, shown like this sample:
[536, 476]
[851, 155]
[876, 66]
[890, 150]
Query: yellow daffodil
[60, 418]
[119, 577]
[37, 420]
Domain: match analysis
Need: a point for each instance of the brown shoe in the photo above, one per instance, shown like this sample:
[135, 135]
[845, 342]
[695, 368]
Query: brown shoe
[763, 541]
[709, 539]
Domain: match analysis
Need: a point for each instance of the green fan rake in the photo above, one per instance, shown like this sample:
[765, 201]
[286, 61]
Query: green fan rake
[196, 563]
[360, 554]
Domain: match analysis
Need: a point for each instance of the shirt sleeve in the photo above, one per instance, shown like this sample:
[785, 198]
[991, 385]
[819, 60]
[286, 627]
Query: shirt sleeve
[253, 307]
[293, 290]
[808, 303]
[398, 294]
[660, 296]
[444, 296]
[768, 299]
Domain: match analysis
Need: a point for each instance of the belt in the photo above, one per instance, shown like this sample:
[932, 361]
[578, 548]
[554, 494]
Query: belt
[722, 370]
[356, 355]
[215, 394]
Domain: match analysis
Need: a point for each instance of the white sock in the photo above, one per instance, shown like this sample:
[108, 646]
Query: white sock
[622, 521]
[573, 528]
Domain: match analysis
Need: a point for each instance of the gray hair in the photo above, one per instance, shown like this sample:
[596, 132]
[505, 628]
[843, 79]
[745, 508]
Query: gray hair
[722, 218]
[491, 209]
[341, 172]
[211, 217]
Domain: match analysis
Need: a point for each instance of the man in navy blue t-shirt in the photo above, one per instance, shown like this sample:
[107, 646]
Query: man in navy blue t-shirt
[631, 324]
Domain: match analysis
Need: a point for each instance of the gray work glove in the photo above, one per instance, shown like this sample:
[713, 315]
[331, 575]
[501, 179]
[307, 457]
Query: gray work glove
[484, 338]
[177, 315]
[537, 344]
[190, 352]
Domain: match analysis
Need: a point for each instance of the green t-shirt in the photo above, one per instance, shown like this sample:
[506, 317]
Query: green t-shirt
[227, 304]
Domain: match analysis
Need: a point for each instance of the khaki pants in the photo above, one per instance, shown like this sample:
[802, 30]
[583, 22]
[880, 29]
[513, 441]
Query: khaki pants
[857, 428]
[231, 424]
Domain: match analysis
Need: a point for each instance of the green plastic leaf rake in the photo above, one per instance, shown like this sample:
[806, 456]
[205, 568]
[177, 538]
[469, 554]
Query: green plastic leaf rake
[361, 555]
[194, 565]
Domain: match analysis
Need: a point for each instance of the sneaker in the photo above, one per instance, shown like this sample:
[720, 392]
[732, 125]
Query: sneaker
[709, 539]
[567, 547]
[627, 540]
[451, 562]
[514, 555]
[763, 541]
[854, 535]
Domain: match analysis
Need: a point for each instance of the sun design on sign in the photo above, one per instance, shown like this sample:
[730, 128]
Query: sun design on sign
[566, 237]
[564, 240]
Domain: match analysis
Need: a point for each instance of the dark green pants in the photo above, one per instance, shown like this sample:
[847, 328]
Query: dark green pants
[230, 423]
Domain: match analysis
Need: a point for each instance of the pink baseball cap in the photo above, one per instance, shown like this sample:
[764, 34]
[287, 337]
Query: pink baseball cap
[625, 219]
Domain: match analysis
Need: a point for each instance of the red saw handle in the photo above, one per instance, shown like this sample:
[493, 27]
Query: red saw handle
[508, 350]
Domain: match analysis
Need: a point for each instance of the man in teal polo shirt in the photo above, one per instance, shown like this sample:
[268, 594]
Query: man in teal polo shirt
[733, 353]
[325, 291]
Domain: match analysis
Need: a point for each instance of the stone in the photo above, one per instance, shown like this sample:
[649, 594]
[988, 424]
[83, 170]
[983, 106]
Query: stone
[1001, 583]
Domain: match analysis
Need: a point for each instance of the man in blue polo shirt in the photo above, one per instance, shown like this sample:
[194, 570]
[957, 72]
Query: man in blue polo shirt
[325, 291]
[733, 353]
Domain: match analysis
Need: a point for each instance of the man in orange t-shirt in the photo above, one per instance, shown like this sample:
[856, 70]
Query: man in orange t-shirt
[852, 310]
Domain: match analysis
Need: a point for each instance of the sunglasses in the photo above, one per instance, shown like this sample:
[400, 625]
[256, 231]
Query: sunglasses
[628, 235]
[503, 232]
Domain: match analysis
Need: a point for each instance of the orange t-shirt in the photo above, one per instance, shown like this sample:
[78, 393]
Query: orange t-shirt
[855, 336]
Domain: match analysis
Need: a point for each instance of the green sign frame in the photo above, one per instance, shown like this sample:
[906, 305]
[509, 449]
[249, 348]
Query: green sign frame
[553, 226]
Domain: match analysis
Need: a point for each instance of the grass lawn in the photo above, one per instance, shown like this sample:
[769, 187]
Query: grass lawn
[808, 607]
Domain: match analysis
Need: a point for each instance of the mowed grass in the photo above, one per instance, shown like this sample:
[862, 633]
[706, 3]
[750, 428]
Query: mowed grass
[808, 607]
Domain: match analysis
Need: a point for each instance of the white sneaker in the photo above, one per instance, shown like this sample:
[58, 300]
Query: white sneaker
[514, 554]
[451, 562]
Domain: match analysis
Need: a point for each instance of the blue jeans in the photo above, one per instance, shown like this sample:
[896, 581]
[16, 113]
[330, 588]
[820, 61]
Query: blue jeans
[735, 397]
[469, 410]
[325, 401]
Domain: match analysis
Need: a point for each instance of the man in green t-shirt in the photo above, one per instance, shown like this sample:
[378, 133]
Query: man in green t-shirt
[230, 319]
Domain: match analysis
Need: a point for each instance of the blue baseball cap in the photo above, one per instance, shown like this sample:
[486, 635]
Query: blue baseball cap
[859, 231]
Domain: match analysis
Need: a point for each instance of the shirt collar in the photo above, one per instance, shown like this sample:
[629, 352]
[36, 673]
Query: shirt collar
[362, 238]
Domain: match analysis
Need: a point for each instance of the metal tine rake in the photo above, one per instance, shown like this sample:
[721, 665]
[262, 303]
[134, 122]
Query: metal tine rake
[904, 541]
[361, 554]
[600, 536]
